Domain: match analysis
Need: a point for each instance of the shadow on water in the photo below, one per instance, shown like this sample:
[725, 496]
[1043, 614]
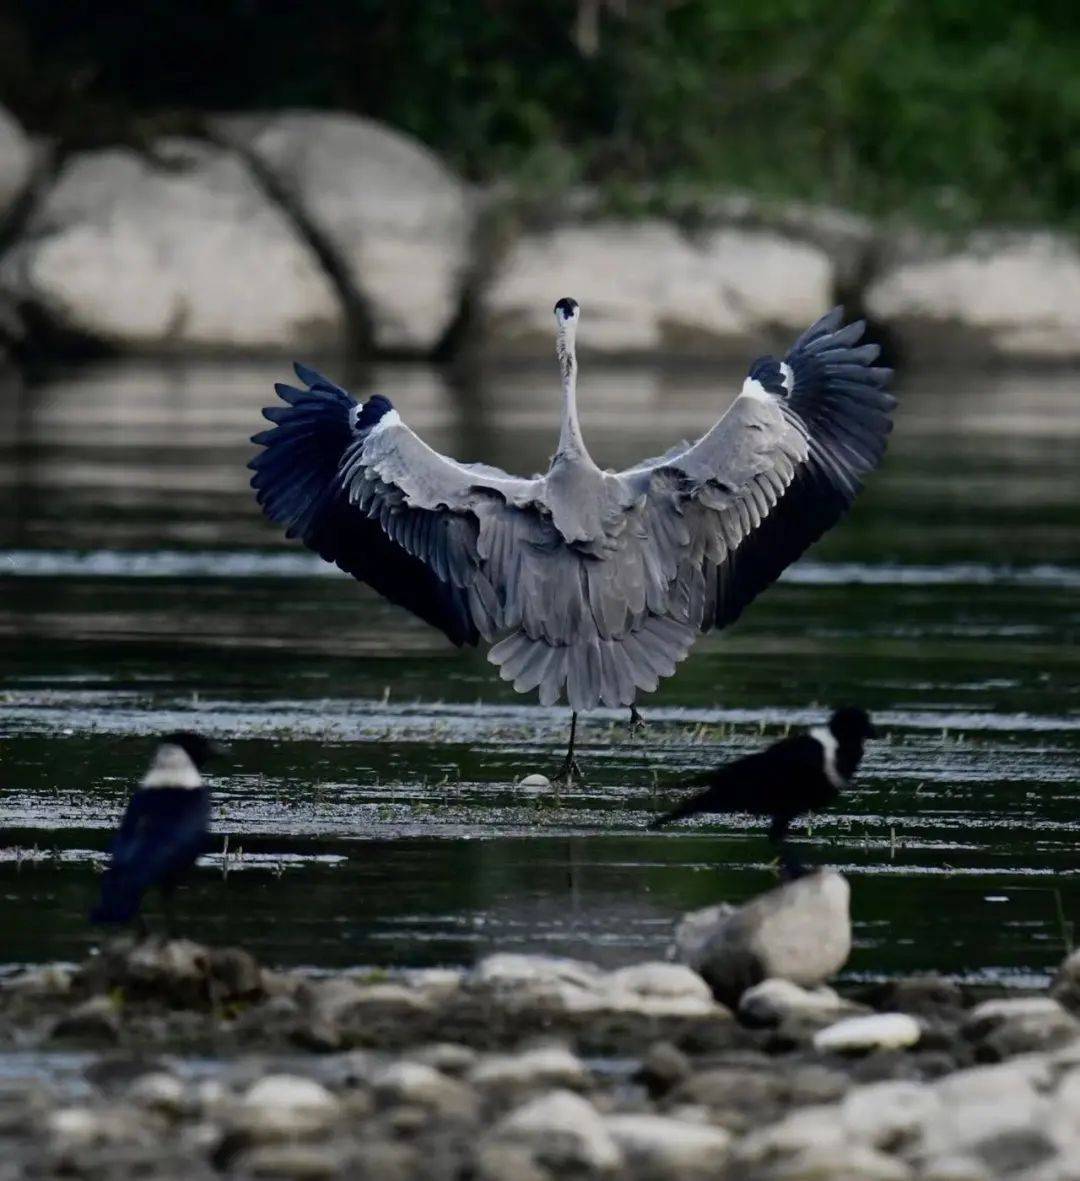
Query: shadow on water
[368, 795]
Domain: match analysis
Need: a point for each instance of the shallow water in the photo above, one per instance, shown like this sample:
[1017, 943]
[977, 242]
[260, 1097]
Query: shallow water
[367, 797]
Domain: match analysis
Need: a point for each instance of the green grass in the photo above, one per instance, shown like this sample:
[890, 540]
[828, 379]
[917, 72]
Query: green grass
[947, 111]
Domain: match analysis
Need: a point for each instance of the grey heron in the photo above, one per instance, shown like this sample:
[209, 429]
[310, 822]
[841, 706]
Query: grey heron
[589, 584]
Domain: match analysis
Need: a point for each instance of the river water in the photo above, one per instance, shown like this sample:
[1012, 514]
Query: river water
[366, 808]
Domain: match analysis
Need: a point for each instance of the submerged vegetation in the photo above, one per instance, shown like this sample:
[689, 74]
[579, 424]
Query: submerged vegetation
[950, 111]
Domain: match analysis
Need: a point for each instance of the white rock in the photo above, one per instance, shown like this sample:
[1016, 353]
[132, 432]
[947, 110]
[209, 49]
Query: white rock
[812, 1128]
[847, 1163]
[283, 1105]
[986, 1101]
[545, 1066]
[43, 981]
[644, 286]
[658, 1145]
[1012, 295]
[954, 1167]
[306, 1162]
[71, 1129]
[1021, 1024]
[771, 1001]
[563, 1132]
[16, 161]
[511, 969]
[423, 1086]
[160, 1092]
[878, 1031]
[535, 782]
[189, 255]
[658, 989]
[887, 1113]
[398, 221]
[1014, 1008]
[339, 1000]
[524, 981]
[799, 931]
[447, 1057]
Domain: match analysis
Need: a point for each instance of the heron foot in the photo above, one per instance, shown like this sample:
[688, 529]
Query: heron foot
[569, 773]
[636, 722]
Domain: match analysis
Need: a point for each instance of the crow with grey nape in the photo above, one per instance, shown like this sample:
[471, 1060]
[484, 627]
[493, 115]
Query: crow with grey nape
[802, 773]
[164, 831]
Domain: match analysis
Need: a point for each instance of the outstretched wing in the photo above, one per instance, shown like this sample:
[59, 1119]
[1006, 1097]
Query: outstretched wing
[781, 466]
[362, 490]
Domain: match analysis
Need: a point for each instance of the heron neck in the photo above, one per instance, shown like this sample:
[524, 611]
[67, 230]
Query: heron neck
[571, 444]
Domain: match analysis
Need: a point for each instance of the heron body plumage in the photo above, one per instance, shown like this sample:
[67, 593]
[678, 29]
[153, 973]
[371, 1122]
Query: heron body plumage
[590, 585]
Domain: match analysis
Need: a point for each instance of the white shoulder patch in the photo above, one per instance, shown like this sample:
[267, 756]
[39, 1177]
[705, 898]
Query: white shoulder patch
[389, 419]
[171, 767]
[752, 388]
[828, 746]
[787, 376]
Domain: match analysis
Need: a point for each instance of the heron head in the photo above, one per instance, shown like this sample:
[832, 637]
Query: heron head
[567, 312]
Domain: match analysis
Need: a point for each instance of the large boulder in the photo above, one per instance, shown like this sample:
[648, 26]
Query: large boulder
[16, 162]
[800, 931]
[997, 295]
[394, 221]
[645, 287]
[179, 249]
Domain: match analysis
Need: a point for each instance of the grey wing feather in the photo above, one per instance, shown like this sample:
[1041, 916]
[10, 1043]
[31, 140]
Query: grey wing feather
[778, 469]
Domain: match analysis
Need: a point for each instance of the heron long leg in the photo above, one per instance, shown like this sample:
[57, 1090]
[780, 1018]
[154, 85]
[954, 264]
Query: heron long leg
[570, 770]
[636, 722]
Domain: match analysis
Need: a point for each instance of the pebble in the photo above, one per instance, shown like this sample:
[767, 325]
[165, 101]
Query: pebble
[563, 1133]
[159, 1091]
[281, 1106]
[288, 1160]
[659, 1145]
[774, 1000]
[535, 782]
[95, 1020]
[545, 1066]
[424, 1086]
[879, 1031]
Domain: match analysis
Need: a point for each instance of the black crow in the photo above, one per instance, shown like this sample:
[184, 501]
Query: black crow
[795, 775]
[164, 831]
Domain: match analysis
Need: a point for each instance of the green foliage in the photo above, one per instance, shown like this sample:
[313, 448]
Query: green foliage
[944, 109]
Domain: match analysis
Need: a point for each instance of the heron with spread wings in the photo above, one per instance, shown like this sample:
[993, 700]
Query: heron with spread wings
[590, 585]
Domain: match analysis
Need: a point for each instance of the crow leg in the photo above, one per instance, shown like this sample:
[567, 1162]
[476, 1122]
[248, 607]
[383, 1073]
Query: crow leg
[168, 911]
[778, 830]
[570, 771]
[636, 722]
[790, 866]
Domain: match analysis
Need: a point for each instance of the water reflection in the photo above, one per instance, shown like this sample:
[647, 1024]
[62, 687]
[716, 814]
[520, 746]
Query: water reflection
[369, 798]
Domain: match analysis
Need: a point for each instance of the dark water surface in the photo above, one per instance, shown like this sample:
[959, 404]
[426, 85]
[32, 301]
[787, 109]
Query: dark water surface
[368, 795]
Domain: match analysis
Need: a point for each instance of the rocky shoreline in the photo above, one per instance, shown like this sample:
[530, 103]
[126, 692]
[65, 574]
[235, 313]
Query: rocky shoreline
[313, 232]
[156, 1058]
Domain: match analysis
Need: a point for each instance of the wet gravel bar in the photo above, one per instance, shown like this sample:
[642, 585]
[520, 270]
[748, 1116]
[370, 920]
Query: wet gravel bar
[171, 1059]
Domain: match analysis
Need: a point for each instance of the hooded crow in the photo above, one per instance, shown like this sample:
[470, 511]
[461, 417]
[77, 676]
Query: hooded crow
[798, 774]
[164, 831]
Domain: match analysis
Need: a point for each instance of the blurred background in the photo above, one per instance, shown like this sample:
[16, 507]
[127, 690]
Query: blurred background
[193, 194]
